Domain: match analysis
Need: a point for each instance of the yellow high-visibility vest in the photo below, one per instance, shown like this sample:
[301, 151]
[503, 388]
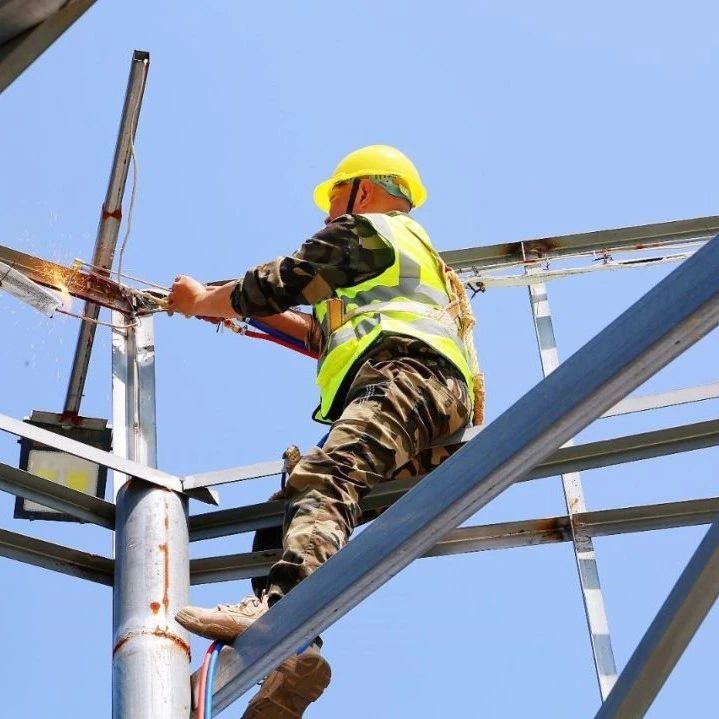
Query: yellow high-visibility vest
[410, 298]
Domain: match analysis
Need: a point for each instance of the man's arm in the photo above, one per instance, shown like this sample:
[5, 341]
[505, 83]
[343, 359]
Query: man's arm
[344, 253]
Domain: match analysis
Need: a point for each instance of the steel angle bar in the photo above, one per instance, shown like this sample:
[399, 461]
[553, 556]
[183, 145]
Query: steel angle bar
[630, 448]
[668, 635]
[669, 318]
[92, 454]
[617, 450]
[584, 555]
[19, 53]
[641, 237]
[665, 399]
[109, 226]
[233, 474]
[501, 535]
[82, 506]
[56, 557]
[75, 282]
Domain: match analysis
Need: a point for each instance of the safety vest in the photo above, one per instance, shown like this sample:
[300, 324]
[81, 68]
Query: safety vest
[410, 298]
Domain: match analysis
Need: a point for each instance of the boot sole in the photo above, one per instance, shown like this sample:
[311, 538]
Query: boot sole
[305, 677]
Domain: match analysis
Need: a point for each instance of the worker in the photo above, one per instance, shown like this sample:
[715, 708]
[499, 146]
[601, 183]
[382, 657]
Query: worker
[396, 375]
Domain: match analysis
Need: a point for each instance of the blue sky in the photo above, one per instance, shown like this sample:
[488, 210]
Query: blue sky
[525, 119]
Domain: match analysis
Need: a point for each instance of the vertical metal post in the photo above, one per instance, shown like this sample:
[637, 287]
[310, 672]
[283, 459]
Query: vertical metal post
[110, 218]
[574, 496]
[150, 662]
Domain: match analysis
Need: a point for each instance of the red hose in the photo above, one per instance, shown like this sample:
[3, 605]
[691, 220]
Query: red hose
[203, 684]
[277, 340]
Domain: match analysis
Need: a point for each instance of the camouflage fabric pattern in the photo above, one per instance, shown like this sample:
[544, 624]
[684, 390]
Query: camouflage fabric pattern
[396, 408]
[346, 252]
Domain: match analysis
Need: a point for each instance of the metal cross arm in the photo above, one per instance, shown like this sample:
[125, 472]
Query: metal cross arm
[660, 326]
[56, 496]
[92, 454]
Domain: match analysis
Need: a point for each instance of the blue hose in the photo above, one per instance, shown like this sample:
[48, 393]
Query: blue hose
[275, 333]
[211, 679]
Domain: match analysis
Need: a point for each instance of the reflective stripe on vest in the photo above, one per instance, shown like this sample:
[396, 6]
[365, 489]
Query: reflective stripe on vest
[414, 284]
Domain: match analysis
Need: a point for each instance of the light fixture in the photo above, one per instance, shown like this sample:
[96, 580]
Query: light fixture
[61, 467]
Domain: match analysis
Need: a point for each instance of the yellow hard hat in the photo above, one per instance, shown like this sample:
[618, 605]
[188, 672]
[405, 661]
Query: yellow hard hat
[373, 160]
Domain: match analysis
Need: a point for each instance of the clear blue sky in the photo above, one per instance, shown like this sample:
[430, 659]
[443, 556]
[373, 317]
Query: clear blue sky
[525, 119]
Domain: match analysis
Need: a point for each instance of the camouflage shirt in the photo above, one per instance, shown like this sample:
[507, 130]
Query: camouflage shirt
[344, 253]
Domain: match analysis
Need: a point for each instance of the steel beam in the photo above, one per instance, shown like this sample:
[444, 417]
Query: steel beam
[110, 219]
[630, 448]
[55, 557]
[668, 635]
[584, 555]
[151, 652]
[502, 535]
[56, 496]
[669, 318]
[92, 454]
[665, 399]
[604, 453]
[67, 279]
[19, 53]
[642, 237]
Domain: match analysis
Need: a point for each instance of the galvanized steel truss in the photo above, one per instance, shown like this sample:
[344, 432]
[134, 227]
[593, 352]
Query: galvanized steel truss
[663, 324]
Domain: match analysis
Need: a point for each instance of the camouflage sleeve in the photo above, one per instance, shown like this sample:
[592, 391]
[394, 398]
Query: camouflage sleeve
[345, 252]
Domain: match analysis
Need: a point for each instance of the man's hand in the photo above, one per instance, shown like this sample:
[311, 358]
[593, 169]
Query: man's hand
[186, 296]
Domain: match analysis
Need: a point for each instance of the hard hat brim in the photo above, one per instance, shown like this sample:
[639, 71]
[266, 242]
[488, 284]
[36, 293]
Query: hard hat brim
[321, 194]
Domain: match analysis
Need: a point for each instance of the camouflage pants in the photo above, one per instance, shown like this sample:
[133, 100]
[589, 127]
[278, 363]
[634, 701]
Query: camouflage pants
[396, 409]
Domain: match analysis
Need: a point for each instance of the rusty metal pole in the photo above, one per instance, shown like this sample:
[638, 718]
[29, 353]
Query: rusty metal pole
[110, 217]
[150, 662]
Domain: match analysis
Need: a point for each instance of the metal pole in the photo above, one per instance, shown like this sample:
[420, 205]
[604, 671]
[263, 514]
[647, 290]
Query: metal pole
[151, 653]
[110, 218]
[667, 320]
[584, 555]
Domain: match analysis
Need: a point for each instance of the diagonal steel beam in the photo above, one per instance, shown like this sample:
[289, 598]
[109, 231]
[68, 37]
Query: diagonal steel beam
[57, 496]
[56, 557]
[660, 326]
[668, 635]
[19, 53]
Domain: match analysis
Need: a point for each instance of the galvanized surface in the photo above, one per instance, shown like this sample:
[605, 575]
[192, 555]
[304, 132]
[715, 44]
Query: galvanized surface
[640, 237]
[668, 635]
[672, 316]
[630, 448]
[672, 398]
[502, 535]
[55, 557]
[57, 496]
[110, 219]
[584, 555]
[151, 652]
[78, 449]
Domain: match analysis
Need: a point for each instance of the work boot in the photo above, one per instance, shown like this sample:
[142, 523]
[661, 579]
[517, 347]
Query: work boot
[225, 622]
[292, 687]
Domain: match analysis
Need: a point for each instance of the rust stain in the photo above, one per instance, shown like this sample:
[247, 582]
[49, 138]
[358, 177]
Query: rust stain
[160, 633]
[165, 575]
[155, 606]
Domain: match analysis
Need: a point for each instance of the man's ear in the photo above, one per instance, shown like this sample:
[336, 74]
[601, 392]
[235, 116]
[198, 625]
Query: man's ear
[365, 192]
